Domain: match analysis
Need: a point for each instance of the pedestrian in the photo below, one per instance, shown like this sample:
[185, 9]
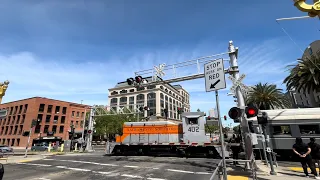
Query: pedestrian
[315, 152]
[303, 151]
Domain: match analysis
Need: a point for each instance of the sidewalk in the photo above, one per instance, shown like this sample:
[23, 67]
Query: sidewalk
[283, 173]
[20, 159]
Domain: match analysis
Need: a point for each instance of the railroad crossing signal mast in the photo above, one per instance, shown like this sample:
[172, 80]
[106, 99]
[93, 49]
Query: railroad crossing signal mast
[213, 83]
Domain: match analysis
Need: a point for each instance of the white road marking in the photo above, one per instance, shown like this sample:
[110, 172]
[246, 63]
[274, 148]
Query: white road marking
[79, 169]
[44, 179]
[155, 179]
[85, 162]
[202, 173]
[43, 165]
[182, 171]
[131, 166]
[111, 173]
[131, 176]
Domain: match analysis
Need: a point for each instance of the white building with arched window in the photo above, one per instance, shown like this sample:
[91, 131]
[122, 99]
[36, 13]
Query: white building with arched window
[156, 97]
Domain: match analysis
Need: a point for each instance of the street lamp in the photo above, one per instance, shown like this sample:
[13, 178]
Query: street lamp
[3, 88]
[313, 10]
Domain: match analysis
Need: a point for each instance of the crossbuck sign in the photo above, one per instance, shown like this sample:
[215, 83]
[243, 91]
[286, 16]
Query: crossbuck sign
[237, 83]
[159, 71]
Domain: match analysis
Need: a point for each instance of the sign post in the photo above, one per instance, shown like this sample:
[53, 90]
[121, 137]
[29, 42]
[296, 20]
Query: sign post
[215, 80]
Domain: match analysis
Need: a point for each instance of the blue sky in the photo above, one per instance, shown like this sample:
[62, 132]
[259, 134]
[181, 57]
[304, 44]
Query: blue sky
[75, 50]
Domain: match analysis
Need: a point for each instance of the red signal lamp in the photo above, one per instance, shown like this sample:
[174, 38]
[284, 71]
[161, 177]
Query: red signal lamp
[225, 117]
[138, 79]
[251, 111]
[89, 131]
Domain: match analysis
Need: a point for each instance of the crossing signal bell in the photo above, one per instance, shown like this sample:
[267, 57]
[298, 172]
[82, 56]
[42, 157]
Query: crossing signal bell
[235, 113]
[251, 111]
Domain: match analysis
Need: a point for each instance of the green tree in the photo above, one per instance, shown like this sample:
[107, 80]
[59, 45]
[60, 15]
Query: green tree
[267, 96]
[198, 110]
[211, 129]
[236, 129]
[305, 76]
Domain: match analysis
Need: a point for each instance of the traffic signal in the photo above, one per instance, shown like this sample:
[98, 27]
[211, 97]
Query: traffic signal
[25, 133]
[165, 112]
[225, 118]
[179, 110]
[89, 131]
[34, 123]
[86, 124]
[141, 109]
[130, 81]
[138, 79]
[146, 108]
[262, 118]
[235, 113]
[251, 111]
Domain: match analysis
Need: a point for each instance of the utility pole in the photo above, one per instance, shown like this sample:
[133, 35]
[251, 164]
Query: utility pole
[263, 120]
[234, 71]
[90, 127]
[272, 172]
[83, 126]
[263, 145]
[225, 177]
[33, 123]
[26, 153]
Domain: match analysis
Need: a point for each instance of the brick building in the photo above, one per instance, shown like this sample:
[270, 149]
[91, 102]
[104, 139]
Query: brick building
[54, 116]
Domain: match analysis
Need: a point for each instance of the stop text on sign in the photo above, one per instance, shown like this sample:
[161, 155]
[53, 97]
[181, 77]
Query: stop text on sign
[213, 70]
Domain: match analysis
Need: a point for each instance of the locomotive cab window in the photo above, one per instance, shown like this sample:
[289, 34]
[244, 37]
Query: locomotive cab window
[192, 120]
[309, 129]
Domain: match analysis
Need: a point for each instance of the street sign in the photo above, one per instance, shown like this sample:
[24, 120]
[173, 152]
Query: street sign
[3, 113]
[214, 75]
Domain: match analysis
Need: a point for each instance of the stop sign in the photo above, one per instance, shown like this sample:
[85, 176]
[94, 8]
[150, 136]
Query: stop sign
[89, 131]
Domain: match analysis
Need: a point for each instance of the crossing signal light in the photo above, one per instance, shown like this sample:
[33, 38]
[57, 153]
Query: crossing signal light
[235, 113]
[89, 131]
[251, 111]
[225, 118]
[179, 110]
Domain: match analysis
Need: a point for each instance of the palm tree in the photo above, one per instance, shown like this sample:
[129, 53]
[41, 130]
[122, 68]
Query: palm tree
[267, 96]
[305, 76]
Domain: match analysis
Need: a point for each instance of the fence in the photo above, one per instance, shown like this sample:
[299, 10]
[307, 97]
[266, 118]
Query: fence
[217, 173]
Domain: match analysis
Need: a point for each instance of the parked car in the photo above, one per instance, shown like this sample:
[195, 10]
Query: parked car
[5, 149]
[40, 147]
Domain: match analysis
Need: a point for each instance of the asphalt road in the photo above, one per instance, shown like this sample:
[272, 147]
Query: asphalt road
[97, 166]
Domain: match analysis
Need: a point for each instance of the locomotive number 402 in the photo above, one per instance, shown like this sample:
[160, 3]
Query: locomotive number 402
[193, 129]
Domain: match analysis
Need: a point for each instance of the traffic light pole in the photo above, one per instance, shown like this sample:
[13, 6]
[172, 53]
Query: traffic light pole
[234, 71]
[83, 126]
[89, 139]
[26, 153]
[225, 177]
[272, 172]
